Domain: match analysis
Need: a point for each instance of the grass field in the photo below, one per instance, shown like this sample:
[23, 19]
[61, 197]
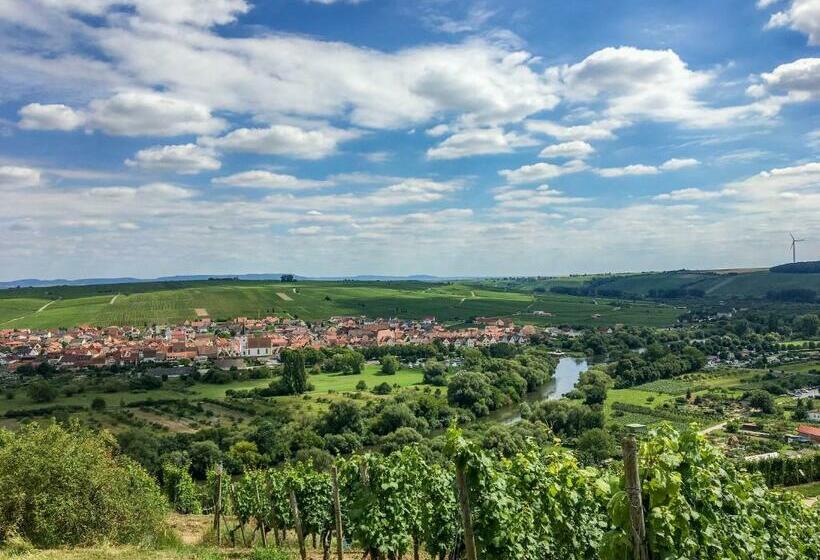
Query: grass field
[175, 389]
[178, 302]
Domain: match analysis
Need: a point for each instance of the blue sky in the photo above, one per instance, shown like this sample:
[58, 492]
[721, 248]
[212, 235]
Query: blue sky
[147, 137]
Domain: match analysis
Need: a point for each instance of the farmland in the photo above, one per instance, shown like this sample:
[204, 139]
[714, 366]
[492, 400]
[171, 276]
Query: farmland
[154, 303]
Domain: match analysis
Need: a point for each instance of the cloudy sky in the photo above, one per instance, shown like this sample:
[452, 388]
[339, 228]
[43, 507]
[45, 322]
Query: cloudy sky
[449, 137]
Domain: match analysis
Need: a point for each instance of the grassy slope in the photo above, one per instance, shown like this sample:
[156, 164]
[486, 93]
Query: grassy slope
[748, 284]
[311, 301]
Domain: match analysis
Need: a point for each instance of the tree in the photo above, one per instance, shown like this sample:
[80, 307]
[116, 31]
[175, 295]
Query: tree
[596, 445]
[67, 486]
[342, 416]
[294, 376]
[807, 325]
[98, 404]
[434, 373]
[203, 454]
[361, 385]
[390, 364]
[41, 391]
[471, 390]
[762, 400]
[245, 454]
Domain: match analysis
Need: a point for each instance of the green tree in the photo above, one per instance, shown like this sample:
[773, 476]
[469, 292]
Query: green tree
[41, 391]
[98, 404]
[67, 486]
[294, 376]
[390, 364]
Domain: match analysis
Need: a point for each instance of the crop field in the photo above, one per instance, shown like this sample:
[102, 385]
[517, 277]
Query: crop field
[178, 302]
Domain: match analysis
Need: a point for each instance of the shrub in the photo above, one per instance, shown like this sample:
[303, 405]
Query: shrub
[66, 486]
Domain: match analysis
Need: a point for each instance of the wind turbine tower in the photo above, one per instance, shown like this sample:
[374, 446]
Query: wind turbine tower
[794, 247]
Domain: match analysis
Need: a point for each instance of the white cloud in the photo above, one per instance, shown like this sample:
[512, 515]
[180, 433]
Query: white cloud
[677, 163]
[145, 113]
[532, 198]
[285, 140]
[763, 4]
[635, 169]
[798, 81]
[268, 180]
[186, 159]
[195, 12]
[673, 164]
[646, 84]
[305, 230]
[128, 113]
[35, 116]
[576, 149]
[481, 141]
[691, 194]
[802, 16]
[16, 177]
[596, 130]
[541, 171]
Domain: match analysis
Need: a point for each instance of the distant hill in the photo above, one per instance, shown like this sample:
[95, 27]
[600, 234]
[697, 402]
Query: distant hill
[38, 283]
[714, 284]
[807, 267]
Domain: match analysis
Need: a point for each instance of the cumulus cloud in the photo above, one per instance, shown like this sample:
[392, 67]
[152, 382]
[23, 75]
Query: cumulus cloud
[185, 159]
[597, 130]
[541, 171]
[268, 180]
[284, 140]
[543, 195]
[480, 141]
[692, 194]
[802, 16]
[35, 116]
[797, 81]
[576, 149]
[640, 169]
[646, 84]
[128, 113]
[12, 176]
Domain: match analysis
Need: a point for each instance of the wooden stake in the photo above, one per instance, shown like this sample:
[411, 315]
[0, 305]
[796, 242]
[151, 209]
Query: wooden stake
[218, 505]
[297, 523]
[337, 512]
[261, 522]
[640, 550]
[466, 516]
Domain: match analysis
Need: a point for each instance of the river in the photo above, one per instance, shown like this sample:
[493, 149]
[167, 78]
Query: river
[566, 375]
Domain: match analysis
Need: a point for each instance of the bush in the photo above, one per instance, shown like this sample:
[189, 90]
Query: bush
[63, 486]
[98, 404]
[41, 392]
[382, 388]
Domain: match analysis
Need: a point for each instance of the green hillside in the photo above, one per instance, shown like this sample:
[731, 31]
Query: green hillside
[138, 304]
[755, 284]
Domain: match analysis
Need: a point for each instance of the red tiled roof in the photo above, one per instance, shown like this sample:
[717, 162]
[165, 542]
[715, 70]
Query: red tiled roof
[808, 431]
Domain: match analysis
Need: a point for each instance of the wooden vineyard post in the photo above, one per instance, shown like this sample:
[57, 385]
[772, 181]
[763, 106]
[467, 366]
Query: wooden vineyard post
[640, 550]
[218, 505]
[261, 522]
[297, 523]
[337, 512]
[466, 516]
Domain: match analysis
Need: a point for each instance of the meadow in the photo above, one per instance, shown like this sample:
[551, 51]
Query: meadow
[169, 303]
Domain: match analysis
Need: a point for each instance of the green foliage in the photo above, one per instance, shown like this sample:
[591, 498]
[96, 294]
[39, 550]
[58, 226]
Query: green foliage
[294, 377]
[390, 364]
[180, 489]
[41, 391]
[66, 486]
[699, 505]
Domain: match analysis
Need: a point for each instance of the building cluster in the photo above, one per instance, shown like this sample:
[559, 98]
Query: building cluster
[203, 340]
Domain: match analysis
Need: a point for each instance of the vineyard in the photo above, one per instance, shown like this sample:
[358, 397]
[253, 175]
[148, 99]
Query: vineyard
[538, 504]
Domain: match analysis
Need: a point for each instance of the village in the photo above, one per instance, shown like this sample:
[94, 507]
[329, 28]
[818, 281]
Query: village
[204, 340]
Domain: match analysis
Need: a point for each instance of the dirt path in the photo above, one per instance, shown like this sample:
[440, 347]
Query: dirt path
[716, 427]
[46, 305]
[113, 299]
[720, 284]
[13, 320]
[283, 296]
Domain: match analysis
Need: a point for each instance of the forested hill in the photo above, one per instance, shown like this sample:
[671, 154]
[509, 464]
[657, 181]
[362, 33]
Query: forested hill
[798, 282]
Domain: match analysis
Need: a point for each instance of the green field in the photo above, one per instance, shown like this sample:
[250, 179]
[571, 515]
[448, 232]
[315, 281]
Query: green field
[154, 303]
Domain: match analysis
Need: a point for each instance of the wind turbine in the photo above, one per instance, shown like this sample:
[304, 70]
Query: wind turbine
[794, 247]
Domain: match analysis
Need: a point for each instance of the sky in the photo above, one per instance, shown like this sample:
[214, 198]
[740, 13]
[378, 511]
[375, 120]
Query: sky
[447, 137]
